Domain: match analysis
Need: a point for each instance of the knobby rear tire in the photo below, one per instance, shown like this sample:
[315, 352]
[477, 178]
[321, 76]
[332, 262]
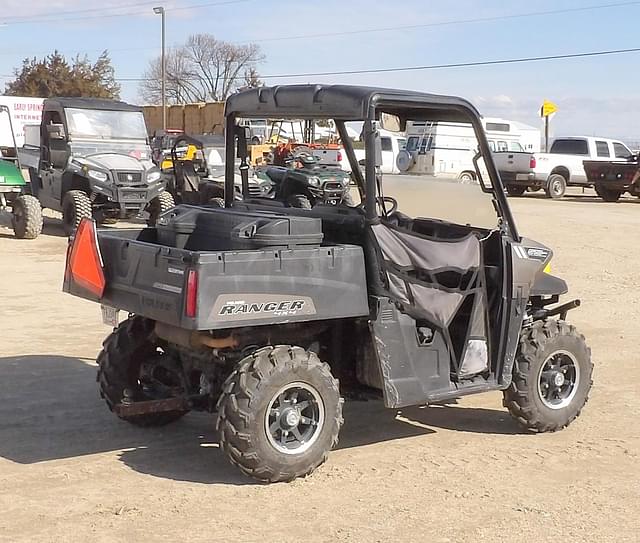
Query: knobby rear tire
[244, 402]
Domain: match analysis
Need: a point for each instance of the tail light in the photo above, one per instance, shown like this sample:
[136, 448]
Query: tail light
[532, 162]
[339, 156]
[84, 263]
[191, 306]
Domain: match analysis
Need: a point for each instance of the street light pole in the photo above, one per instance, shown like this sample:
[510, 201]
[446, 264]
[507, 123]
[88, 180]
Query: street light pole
[160, 11]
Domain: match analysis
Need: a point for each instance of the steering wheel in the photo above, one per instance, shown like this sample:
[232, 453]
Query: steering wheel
[382, 204]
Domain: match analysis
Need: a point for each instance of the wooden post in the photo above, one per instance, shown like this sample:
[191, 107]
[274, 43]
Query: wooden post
[546, 134]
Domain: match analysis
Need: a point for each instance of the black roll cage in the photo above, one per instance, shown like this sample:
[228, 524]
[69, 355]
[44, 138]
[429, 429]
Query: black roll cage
[406, 105]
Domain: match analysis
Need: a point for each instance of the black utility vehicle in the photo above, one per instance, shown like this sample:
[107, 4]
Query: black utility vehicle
[94, 159]
[267, 314]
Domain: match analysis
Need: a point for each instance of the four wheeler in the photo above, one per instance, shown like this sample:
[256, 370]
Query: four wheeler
[268, 316]
[94, 160]
[306, 182]
[196, 171]
[14, 190]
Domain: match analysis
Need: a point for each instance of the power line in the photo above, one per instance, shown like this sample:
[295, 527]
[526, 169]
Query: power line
[447, 23]
[52, 18]
[37, 19]
[76, 11]
[428, 67]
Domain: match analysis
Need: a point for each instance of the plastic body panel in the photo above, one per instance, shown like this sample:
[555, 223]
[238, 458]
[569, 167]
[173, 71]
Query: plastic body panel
[235, 288]
[201, 228]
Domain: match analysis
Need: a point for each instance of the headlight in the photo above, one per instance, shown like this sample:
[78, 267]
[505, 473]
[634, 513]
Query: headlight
[313, 181]
[152, 177]
[98, 176]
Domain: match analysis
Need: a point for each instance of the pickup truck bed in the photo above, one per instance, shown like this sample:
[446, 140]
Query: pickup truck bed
[613, 176]
[148, 271]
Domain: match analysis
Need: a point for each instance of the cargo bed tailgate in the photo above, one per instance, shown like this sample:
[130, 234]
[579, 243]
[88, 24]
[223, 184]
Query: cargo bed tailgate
[234, 288]
[143, 278]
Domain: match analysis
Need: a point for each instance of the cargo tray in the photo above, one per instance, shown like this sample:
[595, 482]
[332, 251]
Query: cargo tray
[197, 228]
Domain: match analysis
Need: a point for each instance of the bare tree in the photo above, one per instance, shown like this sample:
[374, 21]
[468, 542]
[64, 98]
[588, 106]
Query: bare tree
[203, 70]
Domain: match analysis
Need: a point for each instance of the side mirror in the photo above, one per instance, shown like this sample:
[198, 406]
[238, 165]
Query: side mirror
[55, 131]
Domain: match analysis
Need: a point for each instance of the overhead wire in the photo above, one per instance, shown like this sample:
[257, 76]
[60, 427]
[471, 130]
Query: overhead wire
[426, 67]
[52, 18]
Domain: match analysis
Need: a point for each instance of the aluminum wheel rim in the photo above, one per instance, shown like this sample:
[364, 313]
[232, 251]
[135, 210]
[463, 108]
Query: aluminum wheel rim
[558, 379]
[556, 186]
[294, 418]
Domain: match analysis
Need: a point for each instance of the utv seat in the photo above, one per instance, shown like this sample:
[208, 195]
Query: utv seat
[187, 178]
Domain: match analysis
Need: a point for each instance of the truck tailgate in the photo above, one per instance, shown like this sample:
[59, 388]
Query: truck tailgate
[509, 163]
[234, 288]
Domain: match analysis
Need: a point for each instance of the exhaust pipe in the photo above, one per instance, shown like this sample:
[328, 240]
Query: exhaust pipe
[193, 339]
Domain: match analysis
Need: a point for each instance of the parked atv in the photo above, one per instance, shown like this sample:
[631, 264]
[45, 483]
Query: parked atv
[14, 190]
[94, 160]
[304, 182]
[268, 316]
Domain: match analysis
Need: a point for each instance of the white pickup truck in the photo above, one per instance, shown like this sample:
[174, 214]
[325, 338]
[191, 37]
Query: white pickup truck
[562, 166]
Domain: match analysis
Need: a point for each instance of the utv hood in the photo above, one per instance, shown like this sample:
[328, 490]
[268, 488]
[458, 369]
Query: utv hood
[10, 174]
[115, 161]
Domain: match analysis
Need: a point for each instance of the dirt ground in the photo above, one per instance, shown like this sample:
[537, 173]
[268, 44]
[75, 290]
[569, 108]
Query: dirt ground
[70, 471]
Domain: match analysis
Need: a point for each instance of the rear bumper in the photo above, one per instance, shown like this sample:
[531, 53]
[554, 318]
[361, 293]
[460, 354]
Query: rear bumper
[515, 178]
[615, 184]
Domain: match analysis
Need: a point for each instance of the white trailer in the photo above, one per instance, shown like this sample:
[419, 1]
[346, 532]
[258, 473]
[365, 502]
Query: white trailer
[24, 110]
[448, 148]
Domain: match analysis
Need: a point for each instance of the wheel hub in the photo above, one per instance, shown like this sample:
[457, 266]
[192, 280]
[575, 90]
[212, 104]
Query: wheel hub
[294, 418]
[558, 379]
[291, 418]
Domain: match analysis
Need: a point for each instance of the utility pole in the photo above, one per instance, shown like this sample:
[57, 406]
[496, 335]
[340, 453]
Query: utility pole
[160, 11]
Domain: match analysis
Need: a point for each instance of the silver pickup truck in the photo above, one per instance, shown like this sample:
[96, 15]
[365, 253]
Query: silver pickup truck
[516, 170]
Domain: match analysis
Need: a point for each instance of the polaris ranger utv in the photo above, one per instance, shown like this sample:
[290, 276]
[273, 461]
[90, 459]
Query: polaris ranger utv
[269, 315]
[94, 159]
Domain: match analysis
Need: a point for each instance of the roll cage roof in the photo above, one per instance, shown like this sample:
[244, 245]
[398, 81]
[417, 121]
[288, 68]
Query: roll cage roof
[88, 103]
[344, 103]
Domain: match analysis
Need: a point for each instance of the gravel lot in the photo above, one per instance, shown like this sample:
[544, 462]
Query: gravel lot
[70, 471]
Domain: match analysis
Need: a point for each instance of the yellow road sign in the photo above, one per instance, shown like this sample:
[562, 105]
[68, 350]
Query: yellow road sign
[547, 108]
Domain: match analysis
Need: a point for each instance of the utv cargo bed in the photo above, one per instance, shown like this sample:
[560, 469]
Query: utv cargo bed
[231, 283]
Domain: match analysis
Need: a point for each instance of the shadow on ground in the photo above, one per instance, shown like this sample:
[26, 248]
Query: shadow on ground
[51, 226]
[50, 409]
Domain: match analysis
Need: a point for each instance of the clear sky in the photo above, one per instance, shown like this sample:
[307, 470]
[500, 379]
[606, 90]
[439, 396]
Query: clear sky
[598, 95]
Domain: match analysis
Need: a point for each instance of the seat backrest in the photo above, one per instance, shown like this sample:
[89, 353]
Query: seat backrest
[187, 178]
